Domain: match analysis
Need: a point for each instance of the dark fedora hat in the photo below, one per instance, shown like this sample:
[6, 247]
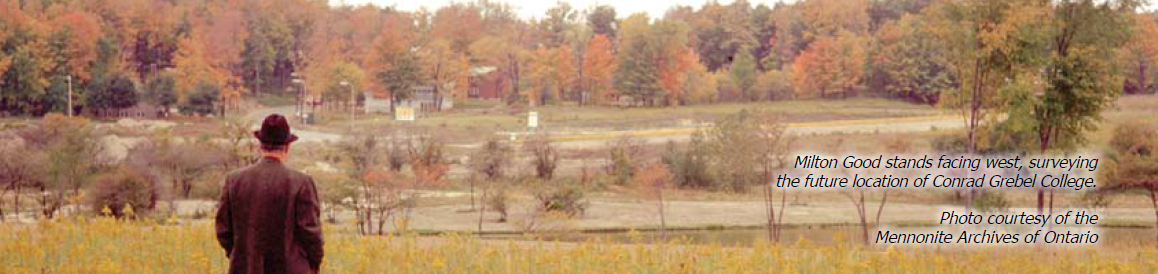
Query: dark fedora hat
[275, 130]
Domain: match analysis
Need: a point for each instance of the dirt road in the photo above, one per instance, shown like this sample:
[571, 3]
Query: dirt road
[598, 138]
[586, 140]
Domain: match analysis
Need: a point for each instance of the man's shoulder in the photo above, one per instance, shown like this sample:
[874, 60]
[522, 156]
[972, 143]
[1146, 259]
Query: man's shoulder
[299, 176]
[238, 172]
[264, 170]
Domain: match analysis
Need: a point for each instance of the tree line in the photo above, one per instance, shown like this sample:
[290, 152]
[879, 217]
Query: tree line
[206, 55]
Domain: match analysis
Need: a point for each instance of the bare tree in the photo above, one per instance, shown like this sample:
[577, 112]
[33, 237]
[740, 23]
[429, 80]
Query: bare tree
[490, 162]
[427, 160]
[623, 153]
[360, 157]
[71, 158]
[651, 181]
[184, 162]
[241, 147]
[491, 159]
[19, 166]
[774, 148]
[544, 156]
[858, 196]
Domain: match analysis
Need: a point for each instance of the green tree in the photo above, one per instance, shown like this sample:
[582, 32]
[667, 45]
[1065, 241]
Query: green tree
[991, 43]
[113, 92]
[1133, 160]
[328, 78]
[910, 63]
[23, 83]
[22, 52]
[161, 90]
[720, 32]
[637, 75]
[202, 100]
[1080, 80]
[401, 77]
[743, 71]
[997, 48]
[266, 57]
[71, 161]
[603, 21]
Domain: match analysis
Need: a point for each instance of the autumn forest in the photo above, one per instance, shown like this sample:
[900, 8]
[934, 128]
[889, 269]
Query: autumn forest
[206, 56]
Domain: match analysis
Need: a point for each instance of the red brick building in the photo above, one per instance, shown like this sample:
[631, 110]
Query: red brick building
[486, 83]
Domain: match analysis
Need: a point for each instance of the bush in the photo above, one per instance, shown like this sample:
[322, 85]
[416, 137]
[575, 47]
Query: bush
[1096, 200]
[622, 157]
[428, 160]
[498, 199]
[774, 85]
[562, 196]
[202, 100]
[991, 201]
[544, 156]
[950, 143]
[121, 190]
[727, 88]
[491, 159]
[690, 165]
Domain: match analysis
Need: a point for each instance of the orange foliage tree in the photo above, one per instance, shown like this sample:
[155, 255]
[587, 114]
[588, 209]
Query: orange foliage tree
[392, 42]
[563, 70]
[460, 24]
[447, 68]
[673, 71]
[193, 67]
[830, 66]
[550, 73]
[599, 69]
[651, 182]
[1140, 54]
[81, 31]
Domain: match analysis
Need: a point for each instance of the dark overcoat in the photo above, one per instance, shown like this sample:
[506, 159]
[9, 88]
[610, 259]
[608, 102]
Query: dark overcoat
[267, 220]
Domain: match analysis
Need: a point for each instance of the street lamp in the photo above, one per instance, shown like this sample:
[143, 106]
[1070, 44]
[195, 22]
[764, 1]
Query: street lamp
[300, 107]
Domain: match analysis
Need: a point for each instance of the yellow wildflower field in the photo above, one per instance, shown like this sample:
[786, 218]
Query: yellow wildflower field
[102, 245]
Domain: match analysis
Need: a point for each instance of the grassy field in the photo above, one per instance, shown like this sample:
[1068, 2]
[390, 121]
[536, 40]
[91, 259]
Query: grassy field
[99, 246]
[475, 117]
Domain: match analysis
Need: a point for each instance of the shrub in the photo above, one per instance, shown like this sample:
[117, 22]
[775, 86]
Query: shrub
[622, 156]
[1096, 200]
[562, 196]
[690, 165]
[543, 155]
[121, 190]
[202, 100]
[774, 85]
[949, 143]
[498, 199]
[991, 201]
[428, 160]
[727, 88]
[491, 159]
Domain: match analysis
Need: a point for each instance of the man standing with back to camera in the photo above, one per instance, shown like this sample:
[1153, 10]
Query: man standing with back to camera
[267, 217]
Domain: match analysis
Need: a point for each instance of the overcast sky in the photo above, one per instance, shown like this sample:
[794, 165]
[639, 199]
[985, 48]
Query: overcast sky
[538, 8]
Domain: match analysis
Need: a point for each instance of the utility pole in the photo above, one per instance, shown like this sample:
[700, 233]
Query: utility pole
[70, 96]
